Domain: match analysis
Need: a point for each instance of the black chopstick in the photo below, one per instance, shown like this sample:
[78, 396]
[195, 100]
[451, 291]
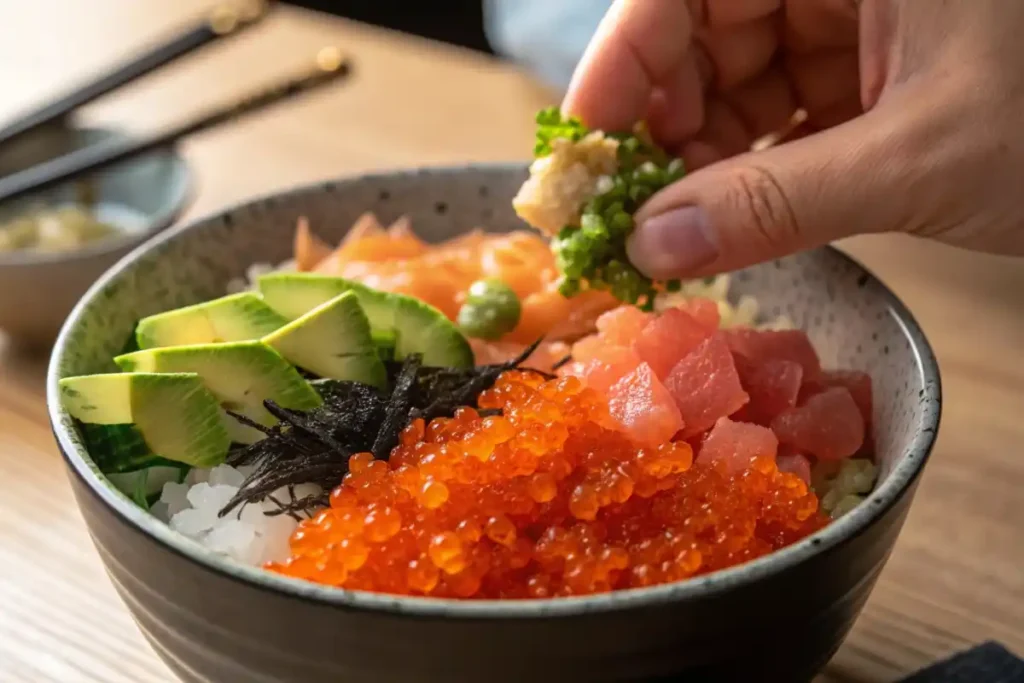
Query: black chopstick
[330, 66]
[225, 20]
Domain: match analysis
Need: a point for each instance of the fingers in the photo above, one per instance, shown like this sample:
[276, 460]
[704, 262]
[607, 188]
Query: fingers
[717, 13]
[643, 46]
[827, 85]
[765, 105]
[676, 109]
[737, 118]
[640, 44]
[719, 61]
[764, 205]
[737, 53]
[821, 24]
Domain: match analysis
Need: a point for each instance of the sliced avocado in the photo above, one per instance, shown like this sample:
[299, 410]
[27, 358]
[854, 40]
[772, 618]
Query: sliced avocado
[132, 343]
[295, 294]
[333, 341]
[421, 328]
[238, 317]
[240, 374]
[384, 340]
[135, 420]
[415, 326]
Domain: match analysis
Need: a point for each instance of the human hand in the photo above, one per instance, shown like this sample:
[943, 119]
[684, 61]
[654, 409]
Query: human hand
[914, 111]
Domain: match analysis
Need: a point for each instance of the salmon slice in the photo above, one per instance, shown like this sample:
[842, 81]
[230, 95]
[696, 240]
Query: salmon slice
[395, 259]
[309, 249]
[547, 355]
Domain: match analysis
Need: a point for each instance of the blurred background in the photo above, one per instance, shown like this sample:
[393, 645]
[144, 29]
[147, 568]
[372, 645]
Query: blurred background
[458, 22]
[545, 36]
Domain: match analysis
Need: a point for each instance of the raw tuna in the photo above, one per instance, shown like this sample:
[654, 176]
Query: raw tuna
[759, 346]
[773, 386]
[668, 338]
[857, 383]
[622, 325]
[607, 366]
[705, 386]
[829, 425]
[793, 462]
[736, 444]
[644, 408]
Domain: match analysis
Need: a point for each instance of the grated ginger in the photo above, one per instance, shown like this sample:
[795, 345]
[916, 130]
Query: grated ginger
[564, 180]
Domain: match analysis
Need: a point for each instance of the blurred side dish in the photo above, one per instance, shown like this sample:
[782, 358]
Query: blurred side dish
[52, 229]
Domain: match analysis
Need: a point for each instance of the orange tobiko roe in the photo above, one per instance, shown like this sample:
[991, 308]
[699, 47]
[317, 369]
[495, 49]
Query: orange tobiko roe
[546, 499]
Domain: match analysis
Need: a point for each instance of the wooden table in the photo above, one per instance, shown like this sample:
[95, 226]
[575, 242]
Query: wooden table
[957, 574]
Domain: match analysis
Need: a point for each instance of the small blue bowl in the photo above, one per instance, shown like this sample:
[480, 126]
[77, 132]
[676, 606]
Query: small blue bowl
[778, 618]
[140, 197]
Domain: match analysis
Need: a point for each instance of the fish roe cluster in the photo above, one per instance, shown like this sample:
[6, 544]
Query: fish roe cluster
[545, 499]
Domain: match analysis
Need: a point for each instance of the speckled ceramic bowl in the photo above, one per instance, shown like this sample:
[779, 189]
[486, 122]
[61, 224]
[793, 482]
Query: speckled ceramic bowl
[779, 618]
[142, 196]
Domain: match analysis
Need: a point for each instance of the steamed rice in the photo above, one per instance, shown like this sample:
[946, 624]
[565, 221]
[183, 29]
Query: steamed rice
[248, 534]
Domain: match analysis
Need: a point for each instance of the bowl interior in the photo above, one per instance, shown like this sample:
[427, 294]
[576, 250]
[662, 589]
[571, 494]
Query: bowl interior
[853, 320]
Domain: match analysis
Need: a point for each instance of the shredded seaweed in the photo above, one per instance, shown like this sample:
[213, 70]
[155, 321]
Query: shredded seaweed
[564, 361]
[314, 447]
[396, 417]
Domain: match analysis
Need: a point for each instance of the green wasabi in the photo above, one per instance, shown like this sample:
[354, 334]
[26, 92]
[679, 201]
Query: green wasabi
[491, 310]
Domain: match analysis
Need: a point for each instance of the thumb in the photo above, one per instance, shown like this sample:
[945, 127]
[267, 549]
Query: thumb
[764, 205]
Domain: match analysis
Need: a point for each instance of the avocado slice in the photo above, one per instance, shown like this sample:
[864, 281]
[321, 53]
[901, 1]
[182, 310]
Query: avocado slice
[240, 374]
[414, 326]
[135, 420]
[333, 341]
[238, 317]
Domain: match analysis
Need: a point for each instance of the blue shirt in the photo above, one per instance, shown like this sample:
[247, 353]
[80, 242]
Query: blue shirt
[548, 37]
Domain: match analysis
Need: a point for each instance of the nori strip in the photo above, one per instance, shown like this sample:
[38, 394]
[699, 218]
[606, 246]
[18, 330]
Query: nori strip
[466, 394]
[397, 415]
[564, 361]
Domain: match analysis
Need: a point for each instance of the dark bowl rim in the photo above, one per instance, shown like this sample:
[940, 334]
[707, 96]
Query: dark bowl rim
[155, 222]
[890, 491]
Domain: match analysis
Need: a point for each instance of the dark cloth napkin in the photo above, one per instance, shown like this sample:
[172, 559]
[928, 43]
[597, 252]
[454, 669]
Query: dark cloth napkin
[987, 663]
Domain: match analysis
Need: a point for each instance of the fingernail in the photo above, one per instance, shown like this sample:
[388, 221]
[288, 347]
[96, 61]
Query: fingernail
[673, 244]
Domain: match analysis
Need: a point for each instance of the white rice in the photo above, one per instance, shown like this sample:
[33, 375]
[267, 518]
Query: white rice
[744, 313]
[247, 534]
[843, 486]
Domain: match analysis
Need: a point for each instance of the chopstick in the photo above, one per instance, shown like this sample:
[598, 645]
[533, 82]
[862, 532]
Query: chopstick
[330, 66]
[228, 19]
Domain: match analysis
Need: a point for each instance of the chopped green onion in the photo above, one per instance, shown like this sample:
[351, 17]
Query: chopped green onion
[592, 254]
[551, 126]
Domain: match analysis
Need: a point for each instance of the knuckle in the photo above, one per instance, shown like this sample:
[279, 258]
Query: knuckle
[757, 193]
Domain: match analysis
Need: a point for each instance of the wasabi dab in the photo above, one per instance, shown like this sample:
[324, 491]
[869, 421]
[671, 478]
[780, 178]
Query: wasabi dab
[583, 190]
[491, 310]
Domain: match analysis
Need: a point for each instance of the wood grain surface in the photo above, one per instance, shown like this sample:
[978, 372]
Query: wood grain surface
[955, 578]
